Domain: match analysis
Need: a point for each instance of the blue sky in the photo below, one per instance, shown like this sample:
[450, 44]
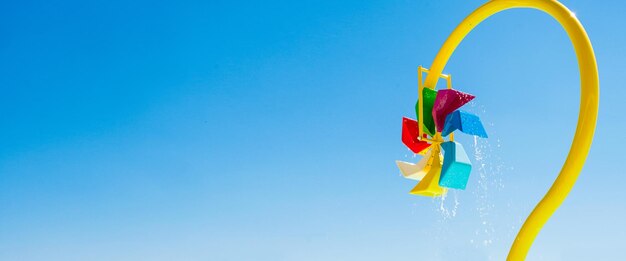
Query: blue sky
[268, 130]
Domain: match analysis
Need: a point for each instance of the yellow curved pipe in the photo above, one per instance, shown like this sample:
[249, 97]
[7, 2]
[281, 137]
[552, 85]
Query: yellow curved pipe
[587, 115]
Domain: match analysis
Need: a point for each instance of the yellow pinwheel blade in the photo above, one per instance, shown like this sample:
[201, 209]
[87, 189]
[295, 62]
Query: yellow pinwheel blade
[429, 186]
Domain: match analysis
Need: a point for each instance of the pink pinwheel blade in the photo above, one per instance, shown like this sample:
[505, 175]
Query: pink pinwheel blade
[447, 101]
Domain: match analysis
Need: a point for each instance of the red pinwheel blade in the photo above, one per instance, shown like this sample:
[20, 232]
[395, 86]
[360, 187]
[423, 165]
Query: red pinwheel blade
[410, 134]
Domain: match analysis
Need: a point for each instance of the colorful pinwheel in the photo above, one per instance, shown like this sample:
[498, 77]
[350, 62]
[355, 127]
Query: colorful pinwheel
[438, 171]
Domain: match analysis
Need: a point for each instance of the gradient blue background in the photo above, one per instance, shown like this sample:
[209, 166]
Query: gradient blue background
[268, 130]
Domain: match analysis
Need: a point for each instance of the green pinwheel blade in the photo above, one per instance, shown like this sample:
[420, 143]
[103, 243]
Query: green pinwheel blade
[428, 123]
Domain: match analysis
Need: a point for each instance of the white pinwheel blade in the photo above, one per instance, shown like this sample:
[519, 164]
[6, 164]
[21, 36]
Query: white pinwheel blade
[416, 171]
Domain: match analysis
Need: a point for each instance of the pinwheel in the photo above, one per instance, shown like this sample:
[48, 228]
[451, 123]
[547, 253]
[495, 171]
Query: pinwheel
[445, 164]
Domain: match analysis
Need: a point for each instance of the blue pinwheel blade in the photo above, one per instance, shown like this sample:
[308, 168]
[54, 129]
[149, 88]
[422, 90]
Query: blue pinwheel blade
[456, 167]
[465, 122]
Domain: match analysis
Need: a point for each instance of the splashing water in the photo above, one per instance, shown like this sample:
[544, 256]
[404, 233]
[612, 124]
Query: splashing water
[480, 204]
[490, 168]
[448, 210]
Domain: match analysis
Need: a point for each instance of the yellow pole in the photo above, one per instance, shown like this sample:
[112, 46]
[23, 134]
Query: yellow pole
[588, 113]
